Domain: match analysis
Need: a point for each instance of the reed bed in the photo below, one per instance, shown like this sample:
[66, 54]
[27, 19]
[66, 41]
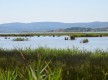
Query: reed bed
[53, 64]
[76, 34]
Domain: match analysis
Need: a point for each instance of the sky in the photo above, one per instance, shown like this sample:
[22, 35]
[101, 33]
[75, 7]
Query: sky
[67, 11]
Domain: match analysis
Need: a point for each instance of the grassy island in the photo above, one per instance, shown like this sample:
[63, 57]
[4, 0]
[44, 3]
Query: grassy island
[20, 39]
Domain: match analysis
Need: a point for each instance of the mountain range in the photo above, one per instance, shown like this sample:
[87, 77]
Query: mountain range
[48, 26]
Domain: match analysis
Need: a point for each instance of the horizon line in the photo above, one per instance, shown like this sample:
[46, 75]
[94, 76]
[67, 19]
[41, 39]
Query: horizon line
[51, 22]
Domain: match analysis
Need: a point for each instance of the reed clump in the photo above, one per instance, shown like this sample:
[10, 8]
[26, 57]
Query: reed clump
[53, 64]
[20, 39]
[84, 41]
[72, 37]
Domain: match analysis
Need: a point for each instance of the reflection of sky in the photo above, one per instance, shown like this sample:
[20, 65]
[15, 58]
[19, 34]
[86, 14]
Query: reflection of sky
[56, 42]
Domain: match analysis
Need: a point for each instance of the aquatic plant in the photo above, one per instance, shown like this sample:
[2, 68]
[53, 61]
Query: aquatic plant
[72, 37]
[20, 39]
[66, 38]
[38, 35]
[84, 41]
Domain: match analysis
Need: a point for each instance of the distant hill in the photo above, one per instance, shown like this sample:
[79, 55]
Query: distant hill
[81, 29]
[47, 26]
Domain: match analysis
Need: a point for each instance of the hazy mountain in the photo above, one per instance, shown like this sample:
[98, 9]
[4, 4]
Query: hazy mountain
[47, 26]
[81, 29]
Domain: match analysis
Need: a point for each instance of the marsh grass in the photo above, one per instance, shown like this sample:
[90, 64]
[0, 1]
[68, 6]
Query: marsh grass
[20, 39]
[76, 34]
[53, 64]
[84, 41]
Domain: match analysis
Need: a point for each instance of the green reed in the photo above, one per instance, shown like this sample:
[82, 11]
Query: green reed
[75, 34]
[20, 39]
[53, 64]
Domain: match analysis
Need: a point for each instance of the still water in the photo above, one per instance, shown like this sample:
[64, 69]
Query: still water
[55, 42]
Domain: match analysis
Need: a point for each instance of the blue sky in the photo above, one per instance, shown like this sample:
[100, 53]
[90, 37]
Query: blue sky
[68, 11]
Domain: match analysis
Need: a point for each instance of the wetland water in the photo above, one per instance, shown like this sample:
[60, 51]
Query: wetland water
[55, 42]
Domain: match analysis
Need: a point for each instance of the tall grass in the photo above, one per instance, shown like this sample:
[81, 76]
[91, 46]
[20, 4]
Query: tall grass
[76, 34]
[53, 64]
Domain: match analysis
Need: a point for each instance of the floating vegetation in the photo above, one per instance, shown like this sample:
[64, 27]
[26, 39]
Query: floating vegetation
[84, 41]
[20, 39]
